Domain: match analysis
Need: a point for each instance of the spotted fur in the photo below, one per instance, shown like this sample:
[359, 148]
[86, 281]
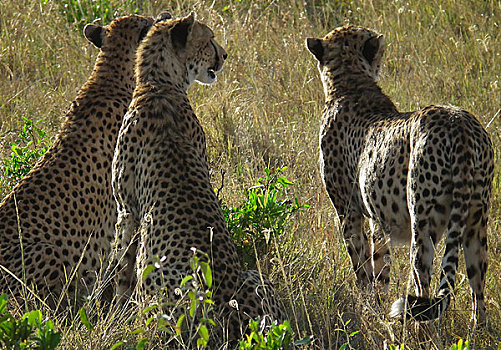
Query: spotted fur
[65, 205]
[413, 175]
[161, 181]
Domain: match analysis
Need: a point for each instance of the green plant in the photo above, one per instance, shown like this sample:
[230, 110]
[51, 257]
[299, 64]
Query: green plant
[188, 320]
[279, 336]
[30, 332]
[460, 345]
[80, 12]
[31, 143]
[264, 214]
[197, 287]
[348, 335]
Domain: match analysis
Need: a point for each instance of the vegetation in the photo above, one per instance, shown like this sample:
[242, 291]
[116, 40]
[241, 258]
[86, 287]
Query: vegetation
[32, 142]
[264, 113]
[263, 215]
[30, 332]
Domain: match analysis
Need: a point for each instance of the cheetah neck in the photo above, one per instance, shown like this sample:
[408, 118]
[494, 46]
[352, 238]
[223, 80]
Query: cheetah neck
[111, 72]
[111, 82]
[162, 69]
[341, 87]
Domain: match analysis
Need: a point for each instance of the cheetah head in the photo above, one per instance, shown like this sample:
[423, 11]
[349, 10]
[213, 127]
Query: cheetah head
[349, 49]
[182, 47]
[122, 33]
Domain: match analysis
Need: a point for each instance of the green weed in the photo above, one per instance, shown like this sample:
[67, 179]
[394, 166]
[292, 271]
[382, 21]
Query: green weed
[460, 345]
[265, 213]
[30, 332]
[31, 143]
[186, 322]
[81, 12]
[279, 336]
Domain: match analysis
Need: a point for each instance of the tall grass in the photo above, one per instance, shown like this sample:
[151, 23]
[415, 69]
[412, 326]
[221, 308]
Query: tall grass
[264, 112]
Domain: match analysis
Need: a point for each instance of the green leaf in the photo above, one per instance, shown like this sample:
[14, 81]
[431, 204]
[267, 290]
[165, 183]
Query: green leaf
[207, 273]
[204, 333]
[354, 333]
[186, 280]
[138, 331]
[147, 271]
[34, 318]
[193, 307]
[84, 319]
[117, 345]
[141, 344]
[149, 320]
[149, 308]
[179, 323]
[304, 341]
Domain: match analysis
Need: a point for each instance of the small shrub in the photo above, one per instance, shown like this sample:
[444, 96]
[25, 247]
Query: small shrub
[460, 345]
[347, 334]
[279, 336]
[264, 214]
[189, 319]
[30, 332]
[31, 143]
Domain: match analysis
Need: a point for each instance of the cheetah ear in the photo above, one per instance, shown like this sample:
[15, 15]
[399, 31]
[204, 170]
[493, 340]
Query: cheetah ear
[163, 16]
[95, 34]
[181, 31]
[370, 49]
[316, 48]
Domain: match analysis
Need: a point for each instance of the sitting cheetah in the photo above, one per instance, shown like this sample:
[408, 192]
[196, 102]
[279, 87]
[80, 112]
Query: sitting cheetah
[413, 175]
[63, 212]
[161, 178]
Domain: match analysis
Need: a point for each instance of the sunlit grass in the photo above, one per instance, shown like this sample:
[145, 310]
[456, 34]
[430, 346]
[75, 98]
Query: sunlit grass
[264, 112]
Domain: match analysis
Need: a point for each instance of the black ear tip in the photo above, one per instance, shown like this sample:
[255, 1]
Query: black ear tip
[191, 17]
[371, 47]
[316, 48]
[94, 34]
[309, 43]
[163, 16]
[180, 32]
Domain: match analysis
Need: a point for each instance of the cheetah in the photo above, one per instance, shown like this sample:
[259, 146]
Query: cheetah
[62, 214]
[413, 175]
[166, 204]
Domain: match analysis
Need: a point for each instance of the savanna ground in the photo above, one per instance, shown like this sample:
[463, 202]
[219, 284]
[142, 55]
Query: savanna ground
[264, 112]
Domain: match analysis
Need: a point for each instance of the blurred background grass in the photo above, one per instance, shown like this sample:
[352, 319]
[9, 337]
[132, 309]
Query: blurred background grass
[264, 112]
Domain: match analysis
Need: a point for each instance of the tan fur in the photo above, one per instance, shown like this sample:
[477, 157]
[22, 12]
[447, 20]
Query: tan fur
[65, 205]
[161, 178]
[413, 175]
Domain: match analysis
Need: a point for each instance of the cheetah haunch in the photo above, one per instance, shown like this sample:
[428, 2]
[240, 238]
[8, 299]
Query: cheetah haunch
[65, 205]
[161, 179]
[413, 175]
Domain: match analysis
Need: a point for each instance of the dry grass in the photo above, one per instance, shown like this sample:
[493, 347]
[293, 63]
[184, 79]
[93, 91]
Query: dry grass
[264, 112]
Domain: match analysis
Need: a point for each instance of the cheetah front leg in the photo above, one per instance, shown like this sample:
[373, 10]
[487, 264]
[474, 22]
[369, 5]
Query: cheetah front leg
[357, 245]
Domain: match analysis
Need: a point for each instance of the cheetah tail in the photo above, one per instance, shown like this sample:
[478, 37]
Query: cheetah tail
[421, 308]
[462, 189]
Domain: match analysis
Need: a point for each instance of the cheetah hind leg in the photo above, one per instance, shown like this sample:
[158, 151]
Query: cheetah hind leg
[380, 260]
[425, 225]
[475, 256]
[254, 298]
[122, 262]
[357, 244]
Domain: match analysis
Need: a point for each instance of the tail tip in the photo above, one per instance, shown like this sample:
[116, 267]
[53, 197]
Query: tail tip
[419, 308]
[397, 308]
